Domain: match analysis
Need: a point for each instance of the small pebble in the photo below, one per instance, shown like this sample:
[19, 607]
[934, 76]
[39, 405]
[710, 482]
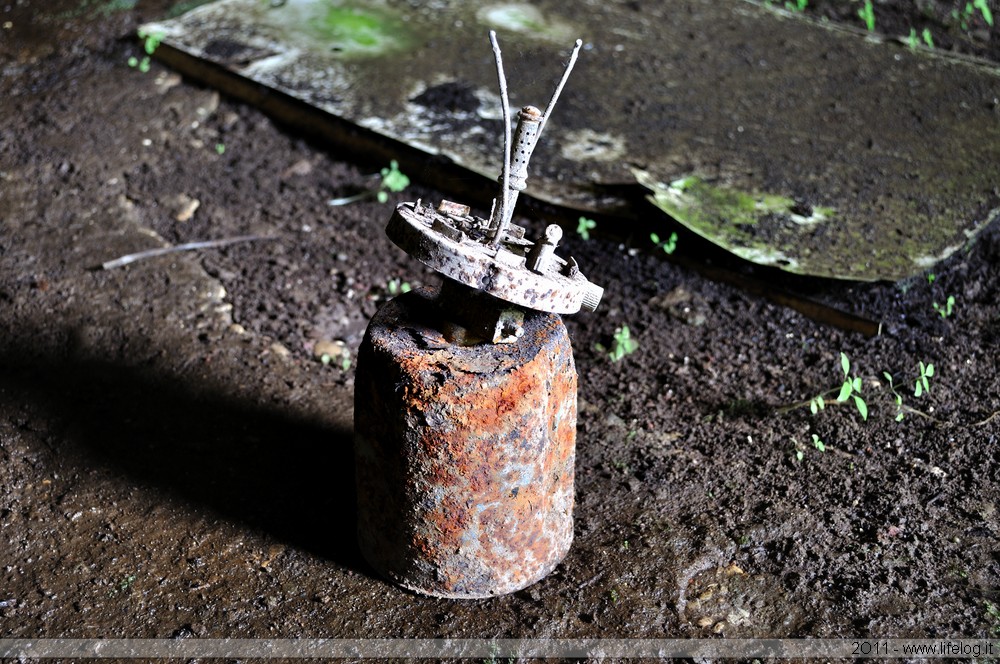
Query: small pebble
[186, 208]
[280, 350]
[333, 349]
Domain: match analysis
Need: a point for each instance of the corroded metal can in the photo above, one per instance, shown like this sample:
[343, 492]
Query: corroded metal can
[464, 453]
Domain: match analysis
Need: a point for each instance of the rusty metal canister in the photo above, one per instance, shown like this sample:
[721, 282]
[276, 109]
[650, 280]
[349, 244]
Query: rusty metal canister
[464, 453]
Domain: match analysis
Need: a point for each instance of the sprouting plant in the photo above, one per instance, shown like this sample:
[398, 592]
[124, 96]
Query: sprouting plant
[584, 226]
[897, 397]
[867, 14]
[818, 444]
[912, 42]
[947, 308]
[851, 388]
[931, 277]
[669, 245]
[392, 180]
[220, 148]
[984, 9]
[613, 594]
[622, 344]
[969, 9]
[924, 373]
[122, 586]
[397, 286]
[345, 359]
[151, 42]
[796, 5]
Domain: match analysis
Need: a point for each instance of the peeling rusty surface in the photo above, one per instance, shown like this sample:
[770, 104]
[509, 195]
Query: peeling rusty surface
[464, 455]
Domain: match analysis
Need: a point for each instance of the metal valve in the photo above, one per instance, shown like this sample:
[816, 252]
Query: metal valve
[492, 256]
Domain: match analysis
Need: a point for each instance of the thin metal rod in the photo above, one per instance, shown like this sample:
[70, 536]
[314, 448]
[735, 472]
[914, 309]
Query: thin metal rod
[562, 82]
[496, 223]
[162, 251]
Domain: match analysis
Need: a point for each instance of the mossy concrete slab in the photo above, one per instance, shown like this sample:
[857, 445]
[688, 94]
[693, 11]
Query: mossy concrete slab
[820, 151]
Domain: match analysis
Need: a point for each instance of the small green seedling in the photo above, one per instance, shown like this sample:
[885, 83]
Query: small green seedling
[867, 14]
[818, 444]
[622, 344]
[851, 388]
[797, 5]
[970, 8]
[947, 309]
[669, 245]
[924, 373]
[584, 226]
[931, 277]
[984, 9]
[396, 287]
[913, 42]
[897, 397]
[151, 42]
[392, 180]
[345, 360]
[220, 148]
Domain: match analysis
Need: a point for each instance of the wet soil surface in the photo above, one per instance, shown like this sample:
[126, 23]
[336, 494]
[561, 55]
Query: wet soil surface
[176, 462]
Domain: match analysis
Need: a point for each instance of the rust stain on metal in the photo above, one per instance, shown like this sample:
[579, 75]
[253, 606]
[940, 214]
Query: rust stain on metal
[465, 455]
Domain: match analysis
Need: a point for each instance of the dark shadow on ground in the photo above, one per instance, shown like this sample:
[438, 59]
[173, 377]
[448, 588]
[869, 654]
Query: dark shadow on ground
[268, 469]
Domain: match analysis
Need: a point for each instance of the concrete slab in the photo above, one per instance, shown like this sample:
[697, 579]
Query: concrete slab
[816, 150]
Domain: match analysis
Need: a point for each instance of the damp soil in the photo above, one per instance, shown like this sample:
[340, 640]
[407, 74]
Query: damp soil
[175, 453]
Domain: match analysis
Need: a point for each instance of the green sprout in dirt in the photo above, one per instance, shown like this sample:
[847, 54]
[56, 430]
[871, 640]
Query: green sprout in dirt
[392, 180]
[220, 149]
[818, 444]
[397, 287]
[584, 226]
[947, 309]
[897, 397]
[669, 245]
[797, 5]
[622, 344]
[345, 360]
[913, 42]
[867, 14]
[923, 384]
[151, 42]
[850, 390]
[969, 10]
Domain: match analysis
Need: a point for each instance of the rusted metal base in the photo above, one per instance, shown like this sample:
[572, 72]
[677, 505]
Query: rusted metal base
[464, 454]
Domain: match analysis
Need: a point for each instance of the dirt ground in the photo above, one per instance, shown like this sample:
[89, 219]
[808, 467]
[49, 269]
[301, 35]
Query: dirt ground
[175, 461]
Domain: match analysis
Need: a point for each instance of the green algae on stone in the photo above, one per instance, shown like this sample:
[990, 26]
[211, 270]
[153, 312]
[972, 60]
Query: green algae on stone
[350, 29]
[757, 227]
[777, 231]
